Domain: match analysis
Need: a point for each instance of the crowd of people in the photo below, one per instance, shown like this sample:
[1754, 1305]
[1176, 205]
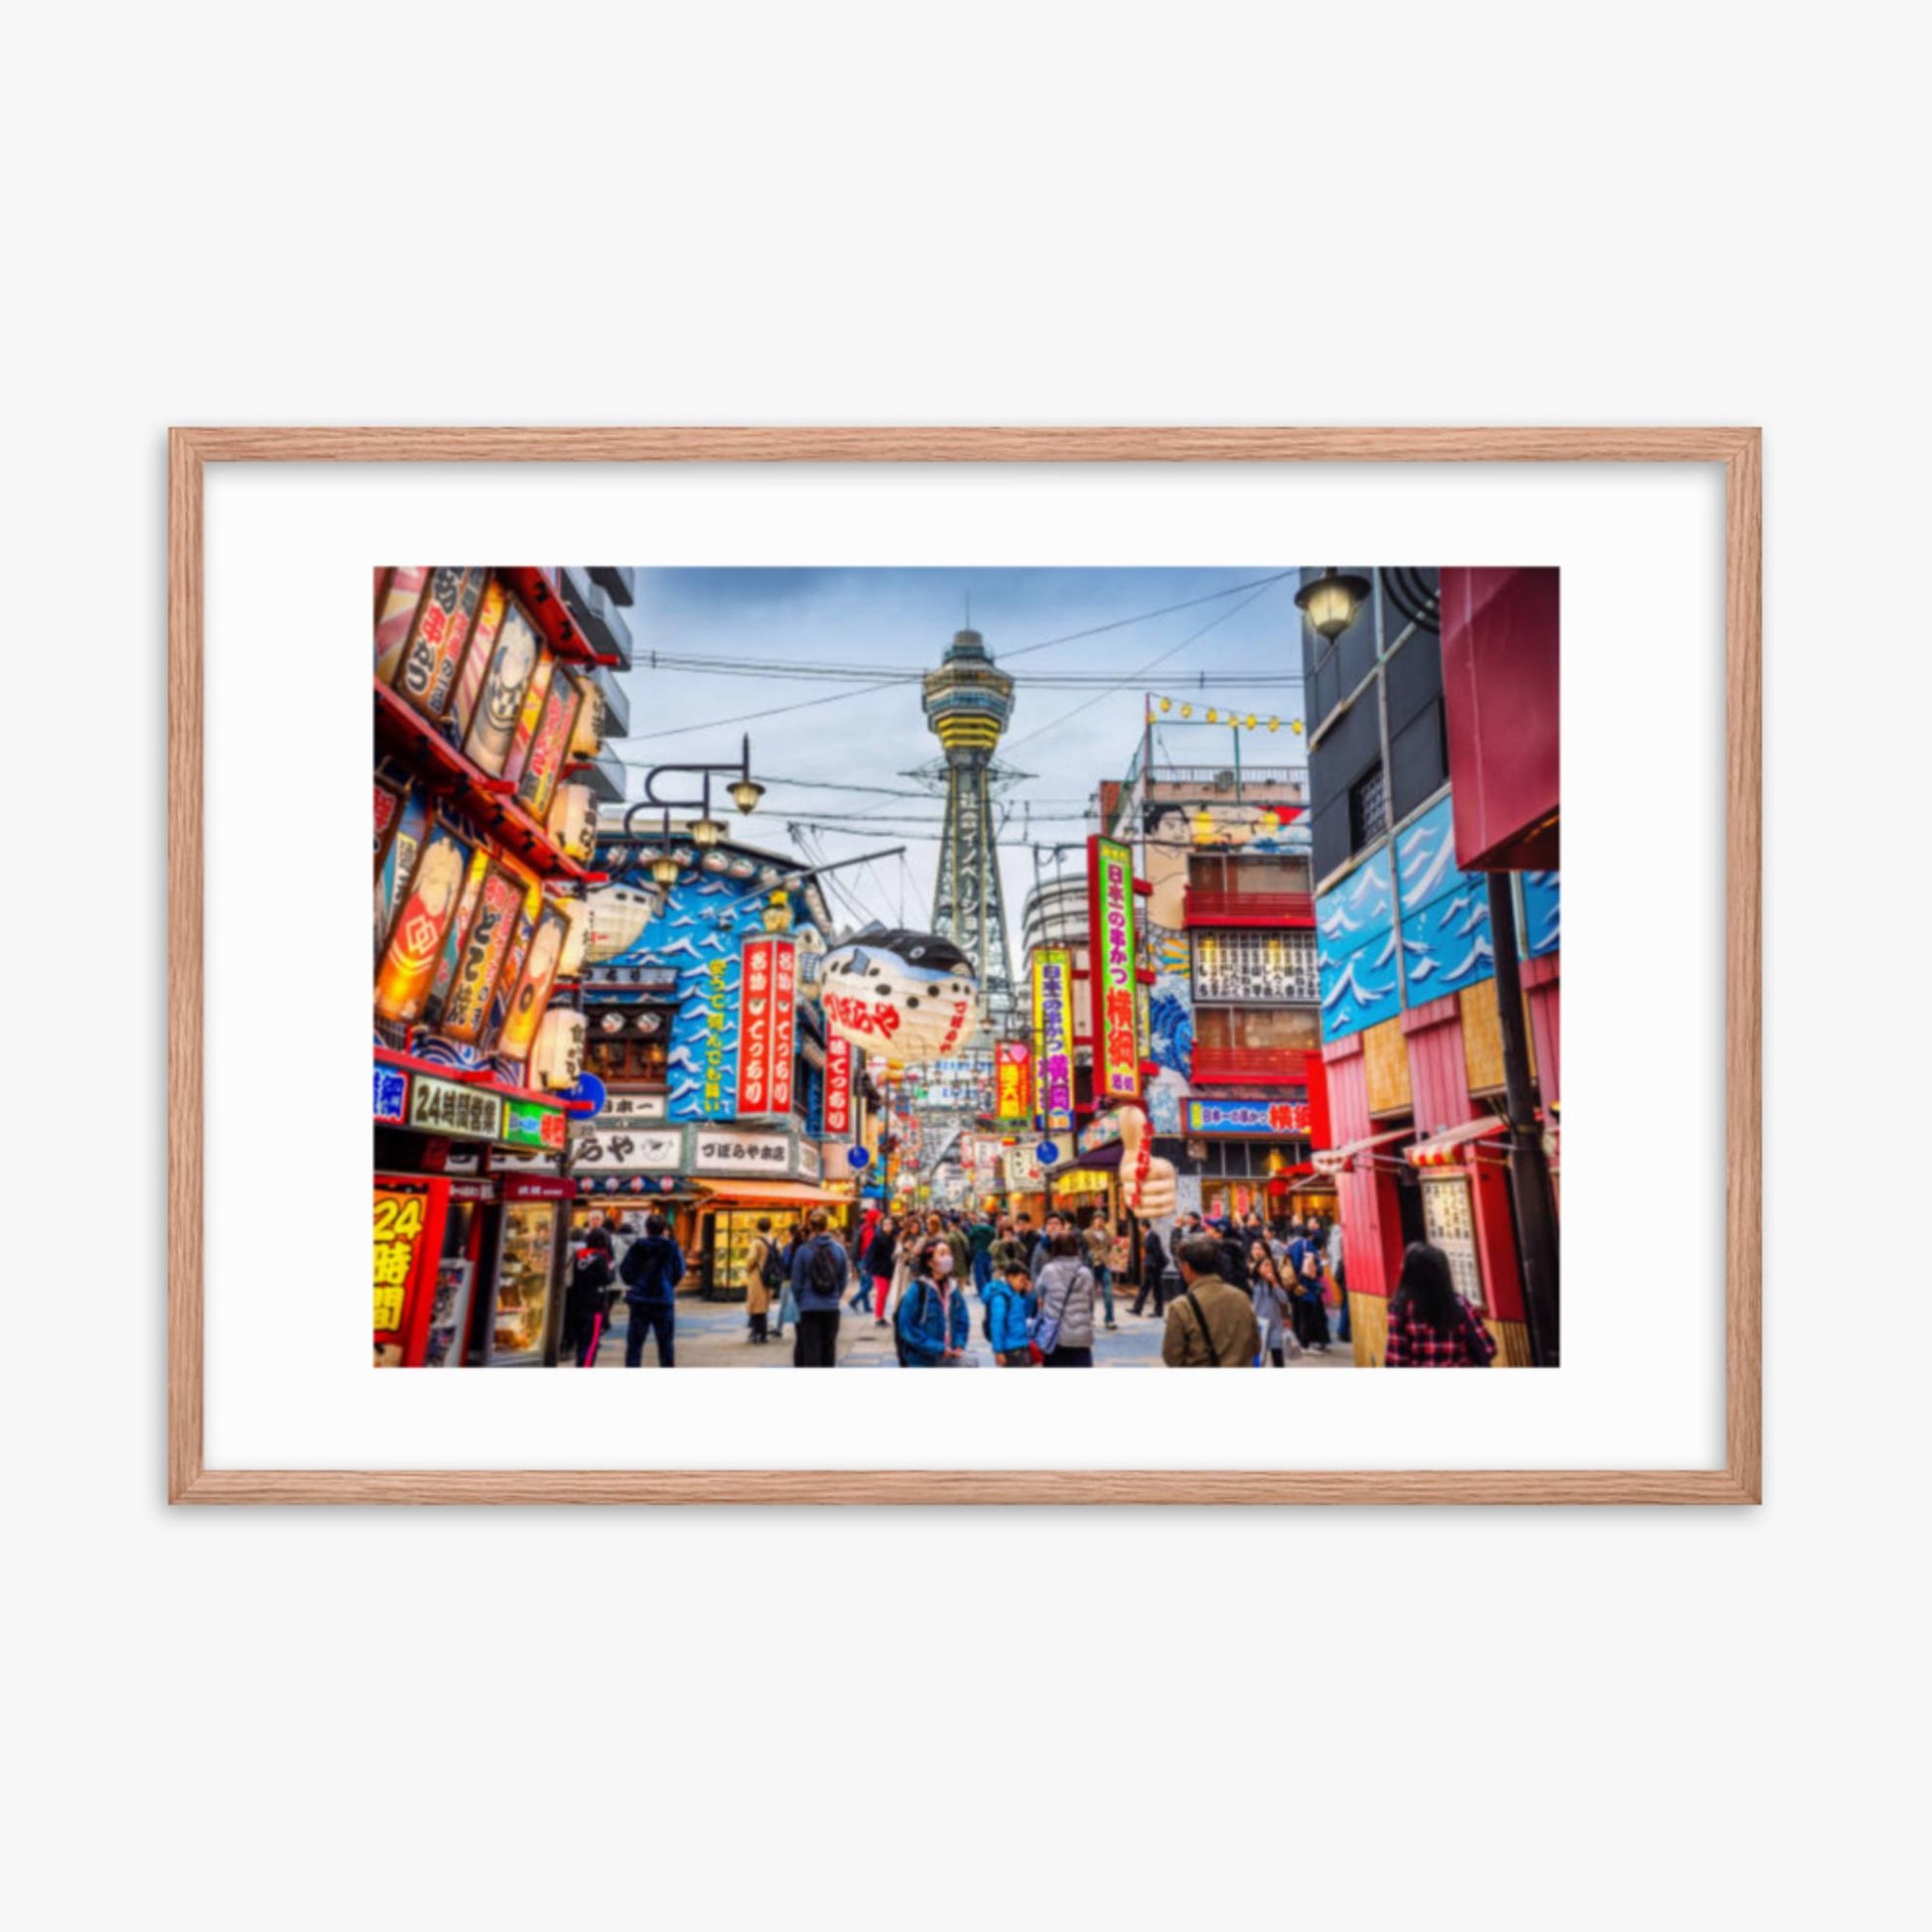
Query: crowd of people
[1232, 1293]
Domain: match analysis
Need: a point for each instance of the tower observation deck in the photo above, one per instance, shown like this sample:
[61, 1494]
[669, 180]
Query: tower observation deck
[968, 702]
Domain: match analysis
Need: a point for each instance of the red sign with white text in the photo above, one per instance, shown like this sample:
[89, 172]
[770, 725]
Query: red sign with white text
[767, 994]
[838, 1087]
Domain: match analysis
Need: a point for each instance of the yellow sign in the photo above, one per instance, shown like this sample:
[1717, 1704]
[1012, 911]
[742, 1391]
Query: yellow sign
[398, 1229]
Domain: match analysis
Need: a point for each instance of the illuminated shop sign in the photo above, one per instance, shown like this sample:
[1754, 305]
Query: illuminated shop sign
[1013, 1071]
[391, 1093]
[768, 993]
[838, 1087]
[1277, 1117]
[1116, 1006]
[526, 1124]
[1052, 1043]
[445, 1107]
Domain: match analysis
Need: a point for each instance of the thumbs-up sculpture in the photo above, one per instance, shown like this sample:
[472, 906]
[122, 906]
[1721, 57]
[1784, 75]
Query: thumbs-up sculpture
[1147, 1182]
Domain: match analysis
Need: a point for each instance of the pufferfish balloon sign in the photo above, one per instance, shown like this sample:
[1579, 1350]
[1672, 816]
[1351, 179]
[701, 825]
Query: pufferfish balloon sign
[1147, 1181]
[903, 995]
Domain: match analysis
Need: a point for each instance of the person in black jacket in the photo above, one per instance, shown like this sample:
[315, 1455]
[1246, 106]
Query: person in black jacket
[1154, 1269]
[588, 1298]
[652, 1269]
[1234, 1256]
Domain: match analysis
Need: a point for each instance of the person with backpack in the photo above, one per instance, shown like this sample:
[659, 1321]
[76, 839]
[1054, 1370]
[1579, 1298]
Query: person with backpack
[1430, 1324]
[1010, 1309]
[765, 1276]
[932, 1328]
[588, 1298]
[1212, 1323]
[1012, 1243]
[652, 1268]
[1063, 1326]
[819, 1274]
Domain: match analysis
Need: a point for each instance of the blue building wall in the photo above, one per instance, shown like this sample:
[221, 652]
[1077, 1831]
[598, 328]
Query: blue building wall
[1410, 891]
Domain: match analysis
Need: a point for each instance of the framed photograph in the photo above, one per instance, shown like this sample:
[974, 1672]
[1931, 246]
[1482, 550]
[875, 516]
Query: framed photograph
[967, 898]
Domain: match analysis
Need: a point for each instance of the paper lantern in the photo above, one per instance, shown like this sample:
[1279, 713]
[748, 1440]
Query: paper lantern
[910, 996]
[1147, 1182]
[1186, 711]
[559, 1056]
[1248, 720]
[1214, 717]
[573, 822]
[587, 734]
[570, 962]
[1167, 704]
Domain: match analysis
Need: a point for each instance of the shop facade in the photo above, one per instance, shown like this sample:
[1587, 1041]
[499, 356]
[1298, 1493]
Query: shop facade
[491, 696]
[1413, 817]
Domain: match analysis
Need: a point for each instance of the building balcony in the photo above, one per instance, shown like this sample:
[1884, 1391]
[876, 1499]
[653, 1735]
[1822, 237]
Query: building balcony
[1266, 1066]
[1203, 908]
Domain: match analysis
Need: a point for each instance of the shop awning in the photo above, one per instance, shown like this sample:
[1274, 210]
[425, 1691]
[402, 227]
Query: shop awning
[1101, 1159]
[1339, 1159]
[1441, 1150]
[786, 1194]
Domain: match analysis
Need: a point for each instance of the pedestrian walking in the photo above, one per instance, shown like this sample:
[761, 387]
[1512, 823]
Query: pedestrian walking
[1213, 1325]
[1154, 1270]
[1011, 1305]
[1304, 1283]
[588, 1298]
[787, 1247]
[932, 1324]
[1273, 1305]
[765, 1276]
[1338, 1275]
[1098, 1243]
[651, 1271]
[876, 1270]
[980, 1237]
[1064, 1333]
[819, 1273]
[1430, 1324]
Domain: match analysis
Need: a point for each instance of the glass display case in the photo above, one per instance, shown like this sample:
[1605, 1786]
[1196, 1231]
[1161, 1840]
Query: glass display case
[523, 1279]
[730, 1234]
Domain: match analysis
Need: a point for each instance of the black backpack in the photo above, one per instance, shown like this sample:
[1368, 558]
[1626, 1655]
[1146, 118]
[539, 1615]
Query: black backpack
[823, 1275]
[774, 1270]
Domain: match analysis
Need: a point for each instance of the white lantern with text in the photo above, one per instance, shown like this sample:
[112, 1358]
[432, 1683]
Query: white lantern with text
[905, 996]
[558, 1058]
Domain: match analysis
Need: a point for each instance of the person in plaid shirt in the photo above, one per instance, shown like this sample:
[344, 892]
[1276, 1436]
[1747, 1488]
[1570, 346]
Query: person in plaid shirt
[1430, 1324]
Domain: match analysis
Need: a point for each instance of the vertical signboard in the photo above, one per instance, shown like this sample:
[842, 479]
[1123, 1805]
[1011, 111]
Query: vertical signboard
[767, 996]
[1053, 1038]
[838, 1087]
[408, 965]
[1116, 1002]
[1014, 1074]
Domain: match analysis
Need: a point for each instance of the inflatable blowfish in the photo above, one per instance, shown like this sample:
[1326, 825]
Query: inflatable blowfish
[905, 996]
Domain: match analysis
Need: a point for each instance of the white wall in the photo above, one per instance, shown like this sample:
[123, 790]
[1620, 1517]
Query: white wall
[1005, 215]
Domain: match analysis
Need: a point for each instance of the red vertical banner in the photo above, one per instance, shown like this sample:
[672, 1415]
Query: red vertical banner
[767, 994]
[785, 1021]
[838, 1087]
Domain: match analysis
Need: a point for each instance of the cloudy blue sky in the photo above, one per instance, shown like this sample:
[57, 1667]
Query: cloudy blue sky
[814, 740]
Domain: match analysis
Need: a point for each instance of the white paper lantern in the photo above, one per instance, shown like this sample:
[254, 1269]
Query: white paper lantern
[573, 822]
[587, 734]
[559, 1056]
[906, 997]
[570, 962]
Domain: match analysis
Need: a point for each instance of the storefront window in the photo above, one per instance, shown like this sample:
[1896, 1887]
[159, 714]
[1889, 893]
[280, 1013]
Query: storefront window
[523, 1281]
[1298, 1028]
[449, 1315]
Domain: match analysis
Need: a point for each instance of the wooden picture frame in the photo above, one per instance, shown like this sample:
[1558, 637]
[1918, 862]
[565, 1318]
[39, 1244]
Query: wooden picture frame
[1737, 450]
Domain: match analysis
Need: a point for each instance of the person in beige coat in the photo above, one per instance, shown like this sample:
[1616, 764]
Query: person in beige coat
[757, 1293]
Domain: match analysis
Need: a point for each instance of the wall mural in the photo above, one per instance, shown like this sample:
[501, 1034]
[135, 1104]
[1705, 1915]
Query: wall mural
[1444, 934]
[696, 926]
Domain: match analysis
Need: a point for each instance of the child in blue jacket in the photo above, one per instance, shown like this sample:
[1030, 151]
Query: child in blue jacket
[1011, 1305]
[933, 1319]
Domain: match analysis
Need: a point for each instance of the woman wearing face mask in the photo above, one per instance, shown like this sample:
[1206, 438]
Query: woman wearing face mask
[932, 1320]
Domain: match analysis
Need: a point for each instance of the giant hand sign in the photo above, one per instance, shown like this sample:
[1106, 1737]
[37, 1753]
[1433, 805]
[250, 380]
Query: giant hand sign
[1147, 1181]
[904, 996]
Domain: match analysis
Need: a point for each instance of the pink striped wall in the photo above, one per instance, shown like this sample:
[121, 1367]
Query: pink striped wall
[1439, 1079]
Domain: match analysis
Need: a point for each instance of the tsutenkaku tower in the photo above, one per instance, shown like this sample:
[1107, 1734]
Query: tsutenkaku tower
[967, 704]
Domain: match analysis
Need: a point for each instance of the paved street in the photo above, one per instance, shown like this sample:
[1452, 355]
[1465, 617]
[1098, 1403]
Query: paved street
[712, 1335]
